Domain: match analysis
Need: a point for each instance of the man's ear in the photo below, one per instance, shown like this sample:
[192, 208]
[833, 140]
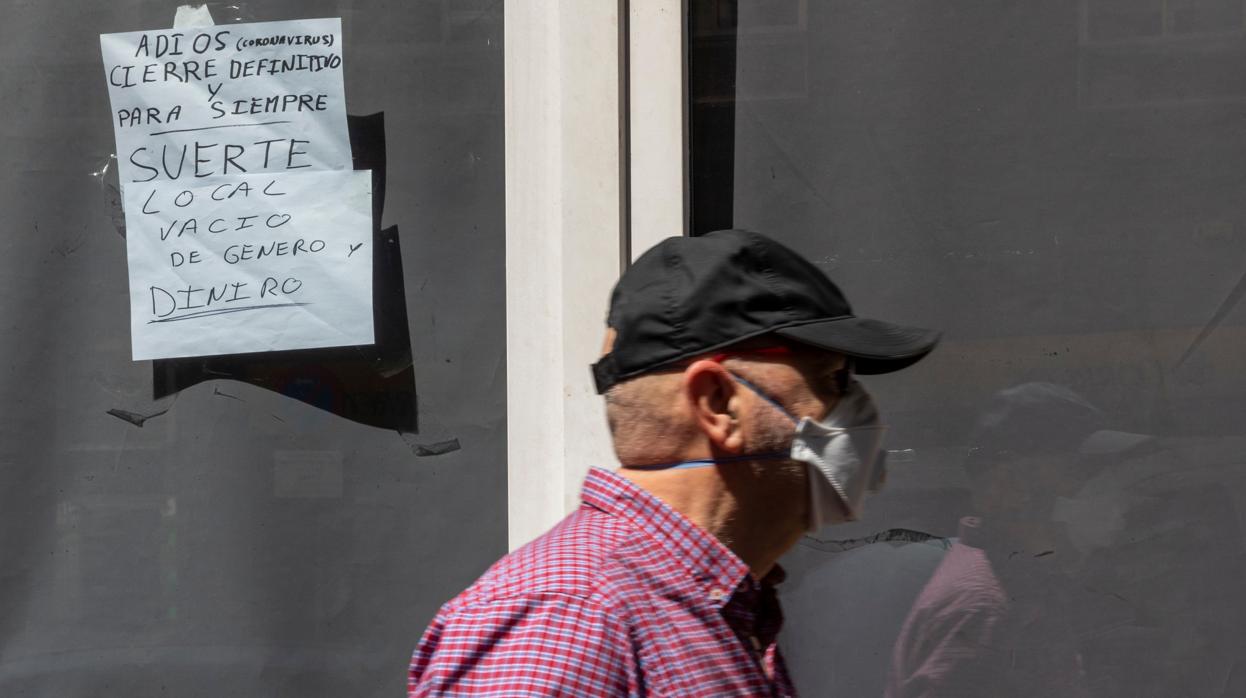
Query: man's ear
[714, 398]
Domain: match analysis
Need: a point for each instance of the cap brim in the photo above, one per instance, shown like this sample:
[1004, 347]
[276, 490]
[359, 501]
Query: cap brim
[1106, 442]
[874, 346]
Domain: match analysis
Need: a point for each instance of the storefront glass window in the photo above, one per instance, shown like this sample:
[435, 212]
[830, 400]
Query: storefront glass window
[1058, 187]
[277, 523]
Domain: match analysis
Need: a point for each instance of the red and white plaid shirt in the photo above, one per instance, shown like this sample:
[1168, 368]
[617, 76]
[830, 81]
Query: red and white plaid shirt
[624, 597]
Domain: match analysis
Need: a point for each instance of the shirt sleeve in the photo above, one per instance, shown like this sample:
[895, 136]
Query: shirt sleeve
[545, 645]
[953, 654]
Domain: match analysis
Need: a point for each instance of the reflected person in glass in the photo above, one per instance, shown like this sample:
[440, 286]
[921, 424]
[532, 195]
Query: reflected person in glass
[999, 615]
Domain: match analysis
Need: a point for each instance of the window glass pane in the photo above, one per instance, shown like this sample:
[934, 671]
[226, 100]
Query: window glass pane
[1057, 187]
[267, 524]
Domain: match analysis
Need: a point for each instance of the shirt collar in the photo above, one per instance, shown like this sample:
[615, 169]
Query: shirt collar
[975, 534]
[714, 567]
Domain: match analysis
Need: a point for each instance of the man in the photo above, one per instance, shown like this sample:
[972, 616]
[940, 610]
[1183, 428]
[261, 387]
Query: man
[734, 415]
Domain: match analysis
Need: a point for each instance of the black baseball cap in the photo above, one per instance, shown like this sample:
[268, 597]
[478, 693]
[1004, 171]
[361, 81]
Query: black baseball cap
[691, 295]
[1044, 418]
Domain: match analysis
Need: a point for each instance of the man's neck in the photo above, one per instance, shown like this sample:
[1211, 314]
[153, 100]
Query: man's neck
[752, 532]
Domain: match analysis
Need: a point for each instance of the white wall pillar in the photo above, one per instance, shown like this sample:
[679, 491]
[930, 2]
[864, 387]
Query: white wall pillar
[568, 108]
[658, 138]
[563, 220]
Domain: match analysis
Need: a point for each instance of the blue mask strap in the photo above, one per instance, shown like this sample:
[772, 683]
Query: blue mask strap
[705, 462]
[762, 394]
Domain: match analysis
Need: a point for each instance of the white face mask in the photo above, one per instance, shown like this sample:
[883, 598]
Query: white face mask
[844, 453]
[845, 456]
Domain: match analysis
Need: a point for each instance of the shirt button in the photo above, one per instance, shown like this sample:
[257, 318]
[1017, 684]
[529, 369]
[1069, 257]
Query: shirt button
[717, 594]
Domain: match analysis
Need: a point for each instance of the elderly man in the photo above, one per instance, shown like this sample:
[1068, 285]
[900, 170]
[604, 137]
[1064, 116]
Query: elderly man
[728, 381]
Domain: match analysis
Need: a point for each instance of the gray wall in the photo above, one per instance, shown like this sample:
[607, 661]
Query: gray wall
[1058, 186]
[242, 542]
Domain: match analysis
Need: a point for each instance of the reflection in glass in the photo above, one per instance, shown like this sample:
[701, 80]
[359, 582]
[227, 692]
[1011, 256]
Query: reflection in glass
[1058, 187]
[995, 618]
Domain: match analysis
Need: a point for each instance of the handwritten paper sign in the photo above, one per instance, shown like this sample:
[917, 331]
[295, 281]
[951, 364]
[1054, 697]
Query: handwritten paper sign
[246, 228]
[227, 100]
[256, 263]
